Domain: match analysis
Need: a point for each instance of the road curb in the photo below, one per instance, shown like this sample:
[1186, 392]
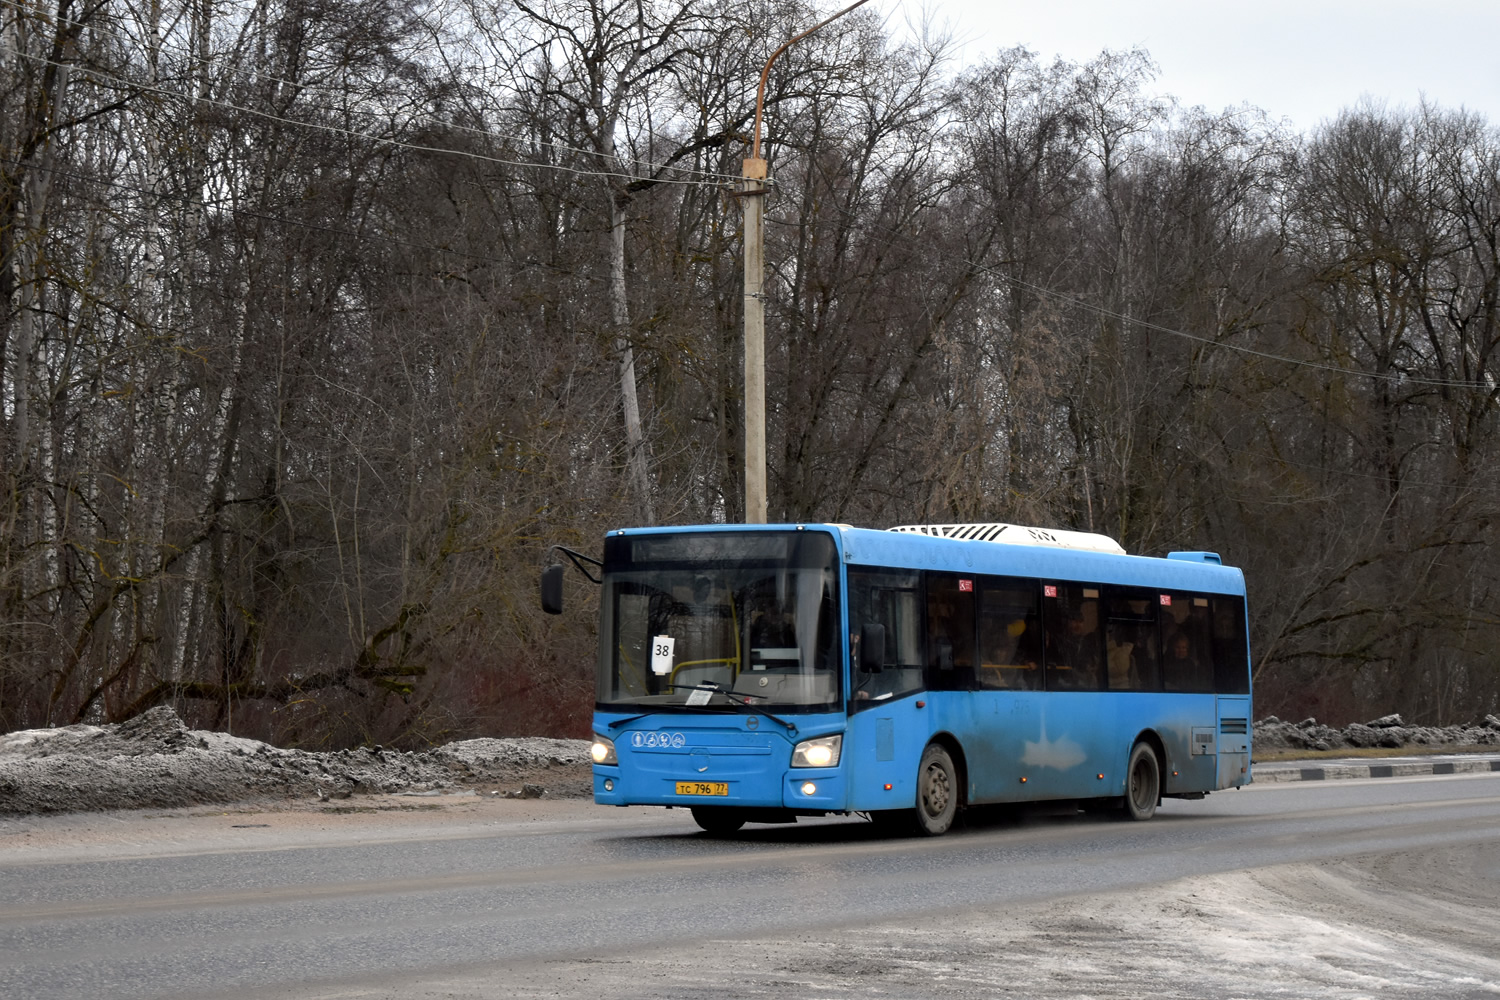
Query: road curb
[1341, 770]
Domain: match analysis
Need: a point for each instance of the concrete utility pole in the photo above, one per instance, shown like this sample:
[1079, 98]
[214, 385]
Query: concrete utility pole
[753, 190]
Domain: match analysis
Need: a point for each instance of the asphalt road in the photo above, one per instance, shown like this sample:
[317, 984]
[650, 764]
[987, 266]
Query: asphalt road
[580, 905]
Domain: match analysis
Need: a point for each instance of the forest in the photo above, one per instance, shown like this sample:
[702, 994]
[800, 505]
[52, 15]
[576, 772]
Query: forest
[321, 320]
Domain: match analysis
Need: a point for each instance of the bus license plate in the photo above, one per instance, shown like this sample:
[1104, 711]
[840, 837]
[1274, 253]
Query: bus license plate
[703, 788]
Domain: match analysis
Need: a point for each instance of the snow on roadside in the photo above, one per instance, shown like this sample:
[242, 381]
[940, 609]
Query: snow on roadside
[155, 761]
[1389, 731]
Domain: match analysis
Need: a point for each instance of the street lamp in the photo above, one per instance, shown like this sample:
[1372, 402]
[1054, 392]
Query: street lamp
[753, 190]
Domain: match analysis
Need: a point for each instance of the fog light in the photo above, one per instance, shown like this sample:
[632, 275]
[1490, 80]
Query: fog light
[609, 784]
[808, 788]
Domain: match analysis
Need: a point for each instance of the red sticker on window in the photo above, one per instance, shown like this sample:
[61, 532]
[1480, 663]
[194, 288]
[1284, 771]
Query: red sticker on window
[966, 586]
[1048, 590]
[1166, 600]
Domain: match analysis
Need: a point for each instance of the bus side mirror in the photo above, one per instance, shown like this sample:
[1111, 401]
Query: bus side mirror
[871, 647]
[552, 599]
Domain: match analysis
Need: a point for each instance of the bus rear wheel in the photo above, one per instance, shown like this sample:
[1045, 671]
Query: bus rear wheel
[1142, 783]
[937, 792]
[718, 820]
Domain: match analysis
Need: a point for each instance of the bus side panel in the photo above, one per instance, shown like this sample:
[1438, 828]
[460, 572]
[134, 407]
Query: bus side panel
[882, 746]
[1005, 721]
[1183, 721]
[1059, 741]
[1006, 743]
[1079, 740]
[1030, 745]
[1233, 741]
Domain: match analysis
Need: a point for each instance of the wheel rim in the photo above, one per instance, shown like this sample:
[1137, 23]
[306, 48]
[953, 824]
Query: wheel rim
[1142, 796]
[936, 791]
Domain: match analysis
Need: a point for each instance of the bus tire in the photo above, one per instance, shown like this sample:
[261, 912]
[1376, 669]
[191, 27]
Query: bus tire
[937, 792]
[1142, 782]
[718, 820]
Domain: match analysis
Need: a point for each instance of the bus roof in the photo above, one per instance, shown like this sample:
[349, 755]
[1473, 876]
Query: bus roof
[905, 548]
[1015, 534]
[927, 550]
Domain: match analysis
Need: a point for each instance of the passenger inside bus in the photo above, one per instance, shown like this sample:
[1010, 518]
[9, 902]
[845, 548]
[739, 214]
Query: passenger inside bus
[1073, 654]
[1119, 654]
[1181, 665]
[1130, 653]
[1011, 649]
[773, 628]
[950, 634]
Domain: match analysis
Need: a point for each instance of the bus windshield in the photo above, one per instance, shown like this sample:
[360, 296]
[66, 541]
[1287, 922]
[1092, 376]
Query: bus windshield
[720, 620]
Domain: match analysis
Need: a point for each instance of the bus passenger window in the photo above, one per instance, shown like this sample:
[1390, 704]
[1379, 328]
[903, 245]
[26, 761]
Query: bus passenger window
[1010, 635]
[950, 632]
[1186, 662]
[1075, 643]
[890, 599]
[1130, 640]
[1231, 655]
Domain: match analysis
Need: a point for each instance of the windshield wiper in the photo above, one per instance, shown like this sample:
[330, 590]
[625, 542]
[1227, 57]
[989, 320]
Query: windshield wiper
[732, 708]
[733, 698]
[716, 689]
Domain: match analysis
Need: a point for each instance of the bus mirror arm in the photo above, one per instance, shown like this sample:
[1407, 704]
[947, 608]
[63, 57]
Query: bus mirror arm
[552, 577]
[871, 647]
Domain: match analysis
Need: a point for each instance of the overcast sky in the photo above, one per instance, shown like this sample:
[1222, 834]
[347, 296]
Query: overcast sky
[1299, 60]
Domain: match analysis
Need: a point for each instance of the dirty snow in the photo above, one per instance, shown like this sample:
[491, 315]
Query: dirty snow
[1388, 731]
[155, 761]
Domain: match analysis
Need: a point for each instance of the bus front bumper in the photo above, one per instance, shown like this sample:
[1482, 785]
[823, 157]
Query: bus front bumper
[812, 790]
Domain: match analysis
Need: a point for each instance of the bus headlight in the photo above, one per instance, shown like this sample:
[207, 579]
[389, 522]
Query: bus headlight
[822, 752]
[603, 750]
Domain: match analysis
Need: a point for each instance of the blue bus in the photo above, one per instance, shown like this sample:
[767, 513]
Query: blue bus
[767, 672]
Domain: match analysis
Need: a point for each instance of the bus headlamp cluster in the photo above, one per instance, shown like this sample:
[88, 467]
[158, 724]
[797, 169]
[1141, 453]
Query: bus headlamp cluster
[603, 750]
[821, 752]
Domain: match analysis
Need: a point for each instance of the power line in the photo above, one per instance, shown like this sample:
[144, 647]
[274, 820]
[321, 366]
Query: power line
[1401, 483]
[434, 119]
[351, 133]
[333, 230]
[1054, 294]
[1073, 300]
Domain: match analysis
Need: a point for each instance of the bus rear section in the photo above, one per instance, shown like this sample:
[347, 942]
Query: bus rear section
[1042, 671]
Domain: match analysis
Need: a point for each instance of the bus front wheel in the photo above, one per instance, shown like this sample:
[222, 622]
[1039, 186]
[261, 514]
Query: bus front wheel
[1142, 783]
[937, 792]
[718, 820]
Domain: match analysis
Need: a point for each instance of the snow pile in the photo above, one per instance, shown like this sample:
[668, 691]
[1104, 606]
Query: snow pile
[155, 761]
[1389, 731]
